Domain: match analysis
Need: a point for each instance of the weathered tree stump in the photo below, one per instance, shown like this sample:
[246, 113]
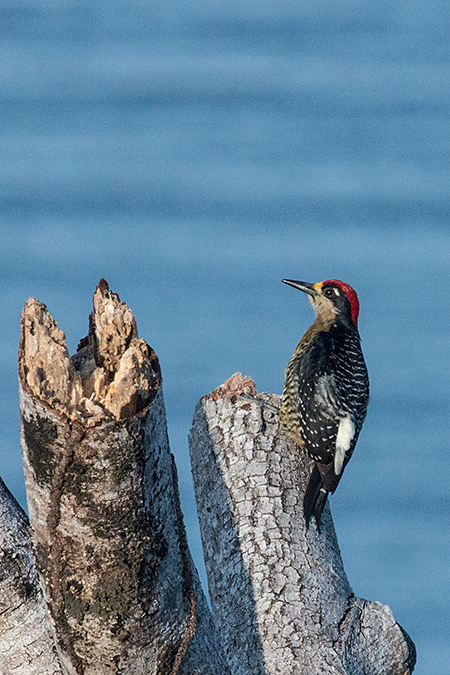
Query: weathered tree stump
[281, 600]
[122, 592]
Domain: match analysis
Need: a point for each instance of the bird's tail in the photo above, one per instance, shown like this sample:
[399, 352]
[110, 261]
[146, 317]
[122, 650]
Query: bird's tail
[315, 498]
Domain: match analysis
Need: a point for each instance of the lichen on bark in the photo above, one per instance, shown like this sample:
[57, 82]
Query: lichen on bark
[102, 497]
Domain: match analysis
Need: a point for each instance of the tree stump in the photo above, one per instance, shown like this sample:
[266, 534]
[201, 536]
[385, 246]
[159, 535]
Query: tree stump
[121, 589]
[281, 600]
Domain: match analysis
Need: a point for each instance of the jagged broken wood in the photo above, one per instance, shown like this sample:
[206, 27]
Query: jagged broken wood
[122, 593]
[281, 600]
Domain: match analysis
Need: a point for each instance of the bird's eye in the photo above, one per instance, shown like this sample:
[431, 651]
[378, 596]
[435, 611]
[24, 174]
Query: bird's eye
[329, 292]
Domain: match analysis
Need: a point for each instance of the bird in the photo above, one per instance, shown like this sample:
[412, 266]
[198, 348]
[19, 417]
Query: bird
[326, 389]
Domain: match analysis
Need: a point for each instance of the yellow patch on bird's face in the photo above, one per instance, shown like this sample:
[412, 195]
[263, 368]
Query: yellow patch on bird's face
[325, 310]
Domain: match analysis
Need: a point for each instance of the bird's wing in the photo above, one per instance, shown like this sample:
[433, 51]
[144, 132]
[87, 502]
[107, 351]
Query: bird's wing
[318, 421]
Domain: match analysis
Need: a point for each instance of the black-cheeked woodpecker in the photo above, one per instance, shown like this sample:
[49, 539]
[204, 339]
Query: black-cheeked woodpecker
[326, 389]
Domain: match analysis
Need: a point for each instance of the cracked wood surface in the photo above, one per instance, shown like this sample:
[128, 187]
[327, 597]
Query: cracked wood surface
[122, 592]
[26, 644]
[281, 600]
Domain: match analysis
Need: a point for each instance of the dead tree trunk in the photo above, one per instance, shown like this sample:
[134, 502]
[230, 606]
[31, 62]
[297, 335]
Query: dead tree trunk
[122, 592]
[281, 600]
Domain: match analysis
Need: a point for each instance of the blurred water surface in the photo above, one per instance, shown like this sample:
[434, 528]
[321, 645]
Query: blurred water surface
[196, 153]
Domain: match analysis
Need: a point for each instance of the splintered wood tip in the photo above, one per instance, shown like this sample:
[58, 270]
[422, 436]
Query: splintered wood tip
[113, 373]
[235, 385]
[113, 326]
[44, 360]
[103, 285]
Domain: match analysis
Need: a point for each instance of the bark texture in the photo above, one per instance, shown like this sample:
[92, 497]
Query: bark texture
[26, 644]
[281, 600]
[121, 589]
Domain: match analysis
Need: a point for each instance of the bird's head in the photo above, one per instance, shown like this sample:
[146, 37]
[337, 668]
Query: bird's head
[333, 300]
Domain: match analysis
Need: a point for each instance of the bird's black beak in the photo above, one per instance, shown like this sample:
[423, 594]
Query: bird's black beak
[302, 286]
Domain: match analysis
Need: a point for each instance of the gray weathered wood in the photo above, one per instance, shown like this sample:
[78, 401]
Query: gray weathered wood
[122, 592]
[26, 644]
[280, 597]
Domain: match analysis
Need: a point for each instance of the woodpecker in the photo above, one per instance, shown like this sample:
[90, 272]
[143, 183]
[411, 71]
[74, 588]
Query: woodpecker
[326, 389]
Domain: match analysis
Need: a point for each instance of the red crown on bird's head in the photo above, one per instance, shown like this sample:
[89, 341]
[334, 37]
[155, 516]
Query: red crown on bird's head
[350, 294]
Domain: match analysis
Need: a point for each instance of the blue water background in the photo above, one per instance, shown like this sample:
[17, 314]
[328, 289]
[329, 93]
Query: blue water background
[196, 153]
